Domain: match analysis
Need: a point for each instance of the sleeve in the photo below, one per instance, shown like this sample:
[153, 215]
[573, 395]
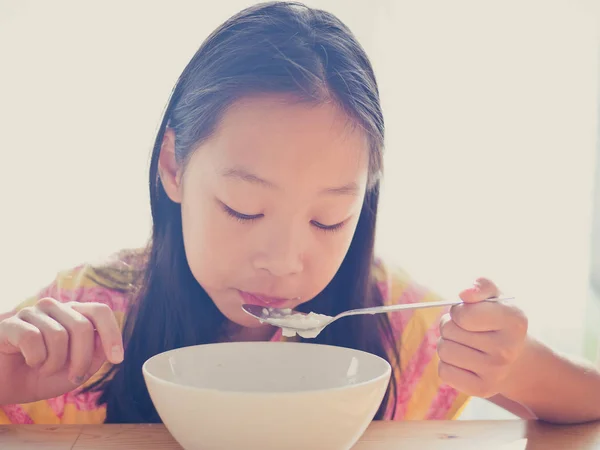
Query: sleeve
[81, 285]
[420, 393]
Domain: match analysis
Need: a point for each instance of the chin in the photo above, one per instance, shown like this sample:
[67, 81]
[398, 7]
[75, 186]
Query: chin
[243, 320]
[248, 322]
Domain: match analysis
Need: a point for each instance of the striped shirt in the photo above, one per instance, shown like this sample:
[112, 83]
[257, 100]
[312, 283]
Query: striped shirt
[420, 394]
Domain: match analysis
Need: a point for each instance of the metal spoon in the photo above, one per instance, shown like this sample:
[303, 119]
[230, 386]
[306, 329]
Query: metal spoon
[293, 322]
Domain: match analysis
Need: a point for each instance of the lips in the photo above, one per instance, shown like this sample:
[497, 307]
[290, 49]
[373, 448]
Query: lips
[263, 300]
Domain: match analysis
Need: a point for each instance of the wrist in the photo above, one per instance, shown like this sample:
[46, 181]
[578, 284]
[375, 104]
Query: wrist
[521, 382]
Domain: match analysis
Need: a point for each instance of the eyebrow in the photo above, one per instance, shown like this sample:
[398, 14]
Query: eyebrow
[244, 175]
[347, 189]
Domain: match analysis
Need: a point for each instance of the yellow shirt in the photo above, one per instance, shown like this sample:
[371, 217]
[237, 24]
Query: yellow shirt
[420, 394]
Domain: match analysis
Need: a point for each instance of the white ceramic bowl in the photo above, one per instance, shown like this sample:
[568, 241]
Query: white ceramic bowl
[266, 395]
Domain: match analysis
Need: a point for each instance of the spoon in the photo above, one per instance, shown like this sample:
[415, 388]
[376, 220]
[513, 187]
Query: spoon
[311, 324]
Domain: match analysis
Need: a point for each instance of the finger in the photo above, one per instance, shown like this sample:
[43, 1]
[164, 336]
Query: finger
[25, 338]
[500, 347]
[486, 316]
[99, 357]
[482, 290]
[56, 338]
[482, 341]
[81, 337]
[463, 380]
[461, 356]
[107, 328]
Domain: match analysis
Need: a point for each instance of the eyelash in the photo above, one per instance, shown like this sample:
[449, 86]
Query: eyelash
[244, 218]
[329, 228]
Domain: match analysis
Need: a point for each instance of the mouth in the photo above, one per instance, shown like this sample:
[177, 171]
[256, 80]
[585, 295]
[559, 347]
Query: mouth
[265, 301]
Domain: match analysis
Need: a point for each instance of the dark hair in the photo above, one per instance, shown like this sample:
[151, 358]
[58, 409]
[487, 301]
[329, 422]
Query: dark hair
[279, 47]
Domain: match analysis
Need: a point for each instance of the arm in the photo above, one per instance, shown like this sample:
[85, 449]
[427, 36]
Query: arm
[37, 336]
[485, 351]
[553, 387]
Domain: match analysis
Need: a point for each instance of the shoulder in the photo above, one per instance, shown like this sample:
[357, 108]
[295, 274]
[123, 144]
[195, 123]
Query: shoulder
[396, 286]
[113, 280]
[421, 395]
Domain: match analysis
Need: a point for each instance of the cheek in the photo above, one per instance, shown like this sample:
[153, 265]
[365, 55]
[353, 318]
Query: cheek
[211, 249]
[327, 256]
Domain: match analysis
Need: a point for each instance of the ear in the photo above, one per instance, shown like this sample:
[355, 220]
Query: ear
[168, 169]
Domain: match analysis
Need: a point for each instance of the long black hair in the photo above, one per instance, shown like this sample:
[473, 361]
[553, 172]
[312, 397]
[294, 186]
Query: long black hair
[278, 47]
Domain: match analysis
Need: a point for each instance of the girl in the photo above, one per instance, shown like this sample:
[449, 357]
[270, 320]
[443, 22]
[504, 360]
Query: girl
[264, 185]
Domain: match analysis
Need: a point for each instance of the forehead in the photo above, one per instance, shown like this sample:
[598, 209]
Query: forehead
[290, 142]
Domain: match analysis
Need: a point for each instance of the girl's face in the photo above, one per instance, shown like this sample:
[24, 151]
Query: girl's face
[270, 202]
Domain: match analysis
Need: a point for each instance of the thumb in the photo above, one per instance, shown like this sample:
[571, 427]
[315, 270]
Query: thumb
[481, 290]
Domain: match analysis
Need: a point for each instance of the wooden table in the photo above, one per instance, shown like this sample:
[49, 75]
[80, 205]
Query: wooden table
[433, 435]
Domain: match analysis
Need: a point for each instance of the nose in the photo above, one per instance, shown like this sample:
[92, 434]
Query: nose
[281, 252]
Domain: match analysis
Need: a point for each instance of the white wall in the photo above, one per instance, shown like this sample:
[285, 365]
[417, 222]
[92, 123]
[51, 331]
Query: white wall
[491, 121]
[491, 110]
[592, 334]
[491, 117]
[595, 239]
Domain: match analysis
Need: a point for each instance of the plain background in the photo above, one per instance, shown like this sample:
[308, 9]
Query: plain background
[491, 112]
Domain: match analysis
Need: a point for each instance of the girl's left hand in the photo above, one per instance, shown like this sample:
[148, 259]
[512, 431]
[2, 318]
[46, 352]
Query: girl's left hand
[480, 342]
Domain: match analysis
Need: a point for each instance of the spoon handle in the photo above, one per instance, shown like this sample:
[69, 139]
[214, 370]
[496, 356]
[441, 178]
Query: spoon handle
[405, 306]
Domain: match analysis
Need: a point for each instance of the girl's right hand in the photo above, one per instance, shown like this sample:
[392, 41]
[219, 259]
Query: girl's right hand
[51, 348]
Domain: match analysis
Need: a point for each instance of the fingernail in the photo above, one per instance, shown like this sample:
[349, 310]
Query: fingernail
[471, 291]
[117, 354]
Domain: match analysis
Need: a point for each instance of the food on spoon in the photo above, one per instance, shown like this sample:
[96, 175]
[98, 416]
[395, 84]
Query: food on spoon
[307, 326]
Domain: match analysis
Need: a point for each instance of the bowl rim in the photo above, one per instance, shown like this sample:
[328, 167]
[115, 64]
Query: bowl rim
[147, 374]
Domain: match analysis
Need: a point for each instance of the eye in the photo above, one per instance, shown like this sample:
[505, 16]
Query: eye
[244, 218]
[329, 228]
